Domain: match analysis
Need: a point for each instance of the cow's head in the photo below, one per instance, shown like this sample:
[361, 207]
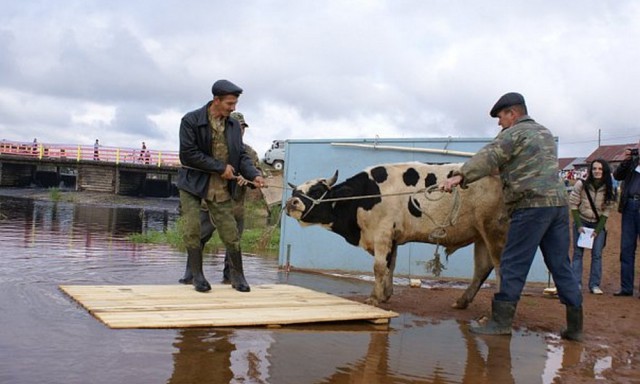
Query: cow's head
[307, 198]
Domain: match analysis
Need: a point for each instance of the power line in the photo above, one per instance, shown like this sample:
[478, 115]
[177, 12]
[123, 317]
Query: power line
[602, 140]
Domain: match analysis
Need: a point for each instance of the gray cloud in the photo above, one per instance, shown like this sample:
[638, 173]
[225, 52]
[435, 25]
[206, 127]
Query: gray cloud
[126, 71]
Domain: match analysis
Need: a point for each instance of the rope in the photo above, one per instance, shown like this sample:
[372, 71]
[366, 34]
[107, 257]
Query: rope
[438, 233]
[361, 197]
[451, 219]
[435, 266]
[266, 236]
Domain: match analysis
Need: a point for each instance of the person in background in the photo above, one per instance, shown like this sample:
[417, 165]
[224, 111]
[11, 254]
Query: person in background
[214, 163]
[591, 201]
[143, 152]
[96, 150]
[524, 153]
[628, 172]
[207, 226]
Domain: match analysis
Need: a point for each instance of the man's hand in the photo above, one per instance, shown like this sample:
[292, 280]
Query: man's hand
[449, 183]
[242, 181]
[258, 181]
[228, 173]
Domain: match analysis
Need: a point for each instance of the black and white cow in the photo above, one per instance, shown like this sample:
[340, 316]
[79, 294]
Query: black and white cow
[402, 214]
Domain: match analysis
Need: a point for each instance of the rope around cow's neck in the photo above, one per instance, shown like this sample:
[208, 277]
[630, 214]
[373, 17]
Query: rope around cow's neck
[438, 233]
[435, 266]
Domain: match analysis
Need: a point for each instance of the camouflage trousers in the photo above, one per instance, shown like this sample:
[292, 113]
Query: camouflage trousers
[221, 215]
[206, 221]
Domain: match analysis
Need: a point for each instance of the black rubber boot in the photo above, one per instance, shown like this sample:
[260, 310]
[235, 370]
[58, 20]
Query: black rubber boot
[205, 235]
[574, 324]
[195, 261]
[226, 275]
[236, 272]
[502, 313]
[188, 276]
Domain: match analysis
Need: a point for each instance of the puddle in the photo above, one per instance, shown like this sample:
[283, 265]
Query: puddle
[49, 338]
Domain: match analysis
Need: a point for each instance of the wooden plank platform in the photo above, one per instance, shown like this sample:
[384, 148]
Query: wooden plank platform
[180, 306]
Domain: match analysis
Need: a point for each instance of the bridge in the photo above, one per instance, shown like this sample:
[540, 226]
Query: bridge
[123, 171]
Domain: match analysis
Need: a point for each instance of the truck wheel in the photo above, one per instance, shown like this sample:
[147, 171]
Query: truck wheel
[278, 164]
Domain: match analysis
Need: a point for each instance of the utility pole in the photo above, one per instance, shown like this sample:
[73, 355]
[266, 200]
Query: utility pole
[598, 137]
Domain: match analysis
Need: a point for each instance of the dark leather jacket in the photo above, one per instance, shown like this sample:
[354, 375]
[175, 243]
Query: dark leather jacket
[623, 173]
[195, 152]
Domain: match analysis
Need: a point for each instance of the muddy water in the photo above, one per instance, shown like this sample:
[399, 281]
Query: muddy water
[47, 338]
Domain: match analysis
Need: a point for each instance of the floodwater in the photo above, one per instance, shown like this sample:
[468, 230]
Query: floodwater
[46, 337]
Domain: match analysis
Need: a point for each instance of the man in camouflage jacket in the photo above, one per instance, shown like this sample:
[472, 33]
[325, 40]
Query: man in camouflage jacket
[524, 154]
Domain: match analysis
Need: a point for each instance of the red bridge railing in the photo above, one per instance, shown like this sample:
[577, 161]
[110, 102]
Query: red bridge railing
[72, 152]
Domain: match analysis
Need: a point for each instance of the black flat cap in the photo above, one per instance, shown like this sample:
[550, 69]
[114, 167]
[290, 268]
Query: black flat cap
[507, 100]
[225, 87]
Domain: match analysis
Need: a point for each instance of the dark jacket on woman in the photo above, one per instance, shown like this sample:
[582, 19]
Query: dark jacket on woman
[196, 153]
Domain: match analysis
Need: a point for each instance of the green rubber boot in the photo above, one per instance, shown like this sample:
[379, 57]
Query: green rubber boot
[236, 272]
[188, 276]
[501, 318]
[574, 324]
[195, 261]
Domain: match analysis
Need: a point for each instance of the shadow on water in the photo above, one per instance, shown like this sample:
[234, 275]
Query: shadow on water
[49, 338]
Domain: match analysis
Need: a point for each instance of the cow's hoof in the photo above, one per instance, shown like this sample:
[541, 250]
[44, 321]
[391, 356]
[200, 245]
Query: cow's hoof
[460, 304]
[372, 301]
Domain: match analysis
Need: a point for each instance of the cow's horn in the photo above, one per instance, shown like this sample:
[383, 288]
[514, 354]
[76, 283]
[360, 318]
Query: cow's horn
[293, 186]
[333, 180]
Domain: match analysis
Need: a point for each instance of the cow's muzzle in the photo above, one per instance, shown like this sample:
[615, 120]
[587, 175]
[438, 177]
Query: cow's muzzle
[294, 207]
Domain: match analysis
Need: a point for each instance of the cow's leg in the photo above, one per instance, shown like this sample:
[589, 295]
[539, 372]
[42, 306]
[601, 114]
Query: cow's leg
[391, 265]
[383, 264]
[495, 244]
[482, 268]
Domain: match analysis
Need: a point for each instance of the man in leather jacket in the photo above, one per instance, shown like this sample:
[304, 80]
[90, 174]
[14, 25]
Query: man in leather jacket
[214, 163]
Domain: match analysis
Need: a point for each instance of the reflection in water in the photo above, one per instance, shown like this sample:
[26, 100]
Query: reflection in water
[372, 368]
[51, 339]
[40, 220]
[250, 359]
[496, 367]
[562, 355]
[206, 356]
[202, 357]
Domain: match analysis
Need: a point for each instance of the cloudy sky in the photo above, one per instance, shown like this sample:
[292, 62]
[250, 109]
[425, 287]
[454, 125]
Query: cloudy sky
[126, 71]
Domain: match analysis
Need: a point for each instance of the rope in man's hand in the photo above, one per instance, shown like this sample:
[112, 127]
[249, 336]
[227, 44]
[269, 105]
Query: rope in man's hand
[242, 182]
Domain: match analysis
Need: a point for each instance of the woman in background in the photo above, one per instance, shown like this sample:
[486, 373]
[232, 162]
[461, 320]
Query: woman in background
[591, 202]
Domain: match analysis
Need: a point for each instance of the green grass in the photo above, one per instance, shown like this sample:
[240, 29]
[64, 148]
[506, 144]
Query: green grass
[54, 194]
[255, 240]
[265, 239]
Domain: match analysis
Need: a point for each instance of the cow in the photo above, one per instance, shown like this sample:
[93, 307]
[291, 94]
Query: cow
[405, 205]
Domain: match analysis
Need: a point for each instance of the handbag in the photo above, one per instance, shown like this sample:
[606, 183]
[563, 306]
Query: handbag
[595, 211]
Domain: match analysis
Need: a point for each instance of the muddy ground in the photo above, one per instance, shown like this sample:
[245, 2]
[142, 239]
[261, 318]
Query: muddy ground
[612, 324]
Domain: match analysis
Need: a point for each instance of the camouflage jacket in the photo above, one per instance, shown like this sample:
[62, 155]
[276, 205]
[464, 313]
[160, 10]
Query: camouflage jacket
[525, 157]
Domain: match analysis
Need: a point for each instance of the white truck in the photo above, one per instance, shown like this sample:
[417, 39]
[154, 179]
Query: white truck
[275, 155]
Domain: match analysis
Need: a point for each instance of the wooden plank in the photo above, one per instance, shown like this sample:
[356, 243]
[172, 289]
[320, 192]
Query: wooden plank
[180, 306]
